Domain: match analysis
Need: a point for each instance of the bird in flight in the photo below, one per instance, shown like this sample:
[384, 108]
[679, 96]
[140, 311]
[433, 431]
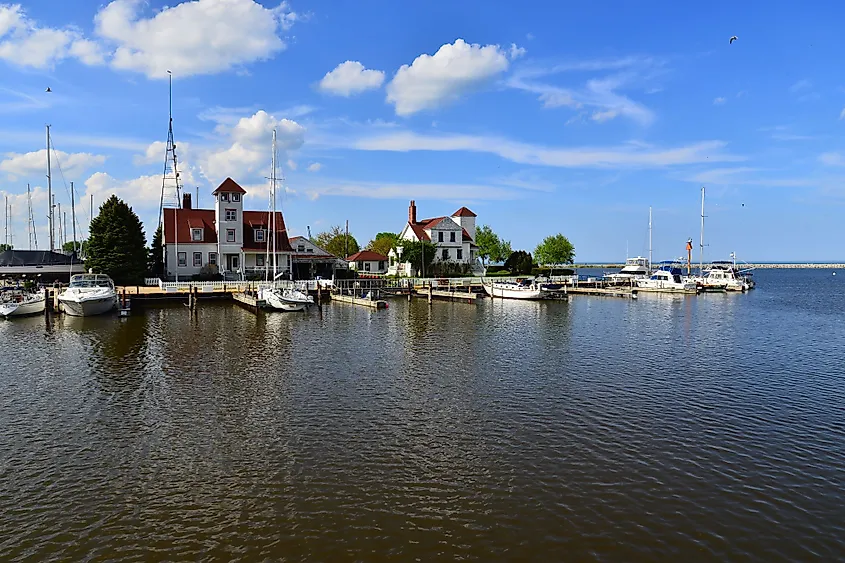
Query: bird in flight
[48, 89]
[734, 38]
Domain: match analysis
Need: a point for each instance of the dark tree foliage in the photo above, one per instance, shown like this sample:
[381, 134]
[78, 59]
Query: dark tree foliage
[117, 246]
[519, 263]
[155, 256]
[420, 254]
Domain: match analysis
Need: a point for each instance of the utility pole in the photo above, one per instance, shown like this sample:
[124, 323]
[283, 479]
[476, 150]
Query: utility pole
[347, 239]
[73, 215]
[50, 200]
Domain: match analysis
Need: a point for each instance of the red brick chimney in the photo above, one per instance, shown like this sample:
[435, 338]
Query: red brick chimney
[186, 200]
[412, 213]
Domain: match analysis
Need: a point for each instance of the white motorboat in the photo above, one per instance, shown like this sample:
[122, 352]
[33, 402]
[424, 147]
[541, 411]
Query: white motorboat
[634, 269]
[515, 290]
[88, 295]
[721, 277]
[667, 279]
[23, 304]
[285, 299]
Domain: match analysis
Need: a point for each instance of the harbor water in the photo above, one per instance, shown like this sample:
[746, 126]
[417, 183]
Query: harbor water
[680, 428]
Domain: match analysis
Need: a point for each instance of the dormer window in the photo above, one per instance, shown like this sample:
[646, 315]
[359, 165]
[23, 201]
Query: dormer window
[196, 235]
[224, 197]
[236, 198]
[259, 235]
[300, 248]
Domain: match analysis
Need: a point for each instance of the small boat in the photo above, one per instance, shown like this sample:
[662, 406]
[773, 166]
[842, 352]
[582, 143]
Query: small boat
[88, 295]
[721, 277]
[634, 269]
[667, 279]
[525, 289]
[290, 300]
[21, 304]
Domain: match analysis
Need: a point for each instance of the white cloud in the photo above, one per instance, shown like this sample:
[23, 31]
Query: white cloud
[35, 163]
[350, 78]
[24, 43]
[195, 37]
[842, 114]
[314, 167]
[143, 192]
[832, 159]
[153, 153]
[632, 155]
[516, 52]
[719, 101]
[602, 94]
[291, 164]
[433, 80]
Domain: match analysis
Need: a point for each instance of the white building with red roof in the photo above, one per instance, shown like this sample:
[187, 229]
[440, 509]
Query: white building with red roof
[453, 236]
[368, 262]
[234, 240]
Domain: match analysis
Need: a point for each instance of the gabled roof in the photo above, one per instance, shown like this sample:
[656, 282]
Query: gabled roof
[189, 219]
[260, 219]
[367, 256]
[464, 212]
[318, 252]
[229, 186]
[419, 230]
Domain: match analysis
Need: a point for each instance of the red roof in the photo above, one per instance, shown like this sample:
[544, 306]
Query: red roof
[464, 212]
[465, 236]
[368, 256]
[431, 223]
[204, 219]
[419, 230]
[229, 186]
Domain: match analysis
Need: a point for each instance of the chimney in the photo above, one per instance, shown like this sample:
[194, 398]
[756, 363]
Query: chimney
[186, 200]
[412, 213]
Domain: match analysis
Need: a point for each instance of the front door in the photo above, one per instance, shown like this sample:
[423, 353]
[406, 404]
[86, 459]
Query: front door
[233, 262]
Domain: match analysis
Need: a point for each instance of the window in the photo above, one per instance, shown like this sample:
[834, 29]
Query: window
[236, 198]
[259, 235]
[197, 259]
[381, 265]
[230, 235]
[231, 214]
[360, 266]
[460, 254]
[196, 235]
[445, 252]
[309, 250]
[440, 236]
[452, 236]
[183, 259]
[300, 248]
[259, 261]
[212, 258]
[367, 266]
[224, 197]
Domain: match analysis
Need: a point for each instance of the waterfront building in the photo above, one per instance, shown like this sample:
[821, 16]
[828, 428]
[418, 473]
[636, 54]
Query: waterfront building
[368, 262]
[41, 265]
[311, 261]
[453, 237]
[227, 239]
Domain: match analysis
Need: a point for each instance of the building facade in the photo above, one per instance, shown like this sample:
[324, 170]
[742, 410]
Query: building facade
[368, 262]
[225, 239]
[312, 262]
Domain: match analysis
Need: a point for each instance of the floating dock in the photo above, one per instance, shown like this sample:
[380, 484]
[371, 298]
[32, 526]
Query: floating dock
[371, 303]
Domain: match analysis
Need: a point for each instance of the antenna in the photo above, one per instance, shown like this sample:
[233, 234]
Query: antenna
[170, 182]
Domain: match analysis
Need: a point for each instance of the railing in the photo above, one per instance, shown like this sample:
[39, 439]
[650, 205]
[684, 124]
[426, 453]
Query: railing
[151, 282]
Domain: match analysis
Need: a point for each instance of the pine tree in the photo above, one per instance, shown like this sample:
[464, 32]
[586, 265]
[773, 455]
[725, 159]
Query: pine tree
[117, 246]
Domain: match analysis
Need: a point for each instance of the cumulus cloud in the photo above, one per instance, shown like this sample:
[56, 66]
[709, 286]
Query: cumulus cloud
[350, 78]
[314, 167]
[516, 51]
[35, 163]
[291, 164]
[196, 37]
[24, 43]
[433, 80]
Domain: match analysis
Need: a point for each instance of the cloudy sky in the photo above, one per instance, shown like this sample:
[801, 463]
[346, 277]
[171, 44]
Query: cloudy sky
[564, 117]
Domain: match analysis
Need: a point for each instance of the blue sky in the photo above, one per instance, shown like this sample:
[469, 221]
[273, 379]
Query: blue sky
[564, 117]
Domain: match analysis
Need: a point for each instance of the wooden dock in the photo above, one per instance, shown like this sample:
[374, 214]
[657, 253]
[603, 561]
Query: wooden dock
[440, 294]
[371, 303]
[602, 291]
[248, 302]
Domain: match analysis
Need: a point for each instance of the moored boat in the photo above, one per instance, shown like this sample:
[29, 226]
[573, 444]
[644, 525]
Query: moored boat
[667, 279]
[634, 269]
[527, 289]
[21, 304]
[88, 295]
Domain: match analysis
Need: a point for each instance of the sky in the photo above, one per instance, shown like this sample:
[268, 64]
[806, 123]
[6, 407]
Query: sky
[557, 117]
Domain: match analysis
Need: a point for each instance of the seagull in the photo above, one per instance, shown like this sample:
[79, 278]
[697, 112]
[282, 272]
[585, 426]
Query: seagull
[48, 89]
[734, 38]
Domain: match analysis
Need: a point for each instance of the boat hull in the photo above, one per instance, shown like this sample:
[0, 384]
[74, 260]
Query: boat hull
[88, 307]
[277, 303]
[496, 290]
[23, 309]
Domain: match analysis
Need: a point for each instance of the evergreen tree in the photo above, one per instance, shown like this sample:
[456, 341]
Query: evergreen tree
[519, 262]
[155, 258]
[117, 246]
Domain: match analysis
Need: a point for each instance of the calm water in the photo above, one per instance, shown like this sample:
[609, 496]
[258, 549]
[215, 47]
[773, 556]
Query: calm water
[667, 428]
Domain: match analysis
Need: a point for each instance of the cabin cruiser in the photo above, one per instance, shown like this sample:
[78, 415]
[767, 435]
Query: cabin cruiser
[668, 278]
[22, 303]
[634, 269]
[285, 299]
[721, 277]
[523, 289]
[88, 295]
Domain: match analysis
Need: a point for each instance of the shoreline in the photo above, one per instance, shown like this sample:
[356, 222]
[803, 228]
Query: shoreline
[759, 266]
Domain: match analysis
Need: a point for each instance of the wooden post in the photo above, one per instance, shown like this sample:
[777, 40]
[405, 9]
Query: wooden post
[429, 293]
[48, 303]
[319, 295]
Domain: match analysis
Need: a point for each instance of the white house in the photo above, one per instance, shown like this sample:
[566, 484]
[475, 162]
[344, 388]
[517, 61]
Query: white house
[234, 240]
[368, 262]
[454, 237]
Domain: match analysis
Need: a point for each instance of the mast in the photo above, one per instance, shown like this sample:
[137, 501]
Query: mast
[6, 217]
[73, 215]
[90, 215]
[273, 204]
[50, 193]
[61, 241]
[649, 239]
[701, 243]
[64, 230]
[33, 233]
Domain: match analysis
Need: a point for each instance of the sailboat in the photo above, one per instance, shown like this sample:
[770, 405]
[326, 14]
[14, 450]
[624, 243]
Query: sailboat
[21, 303]
[288, 299]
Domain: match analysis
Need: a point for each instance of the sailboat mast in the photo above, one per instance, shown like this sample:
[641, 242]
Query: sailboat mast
[73, 215]
[273, 205]
[61, 241]
[649, 239]
[6, 217]
[50, 193]
[701, 243]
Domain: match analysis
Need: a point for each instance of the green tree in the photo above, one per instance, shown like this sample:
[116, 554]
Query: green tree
[5, 247]
[116, 245]
[519, 262]
[555, 249]
[490, 247]
[383, 243]
[155, 255]
[81, 247]
[335, 241]
[420, 254]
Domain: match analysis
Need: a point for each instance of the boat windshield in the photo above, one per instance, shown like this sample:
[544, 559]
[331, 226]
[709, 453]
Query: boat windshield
[90, 280]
